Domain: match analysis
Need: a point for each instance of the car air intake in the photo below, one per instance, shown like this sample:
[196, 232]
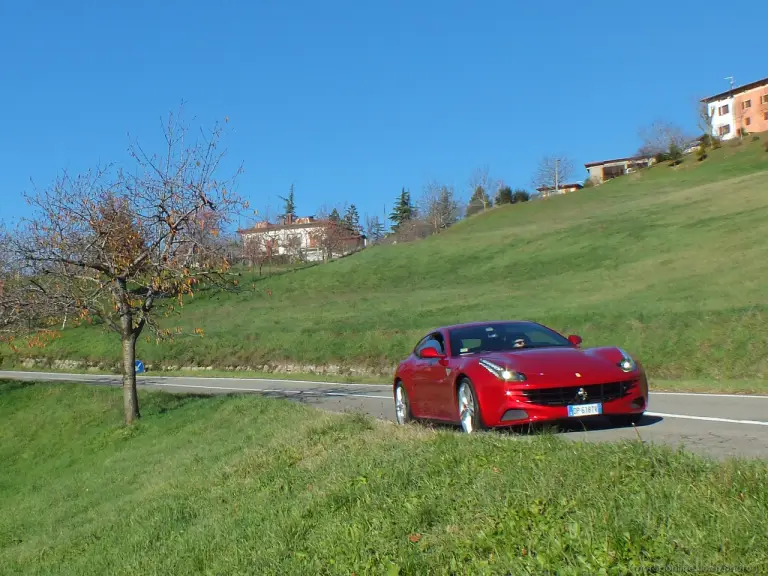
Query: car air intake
[565, 395]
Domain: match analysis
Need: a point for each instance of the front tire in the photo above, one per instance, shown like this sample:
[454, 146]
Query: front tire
[469, 409]
[403, 413]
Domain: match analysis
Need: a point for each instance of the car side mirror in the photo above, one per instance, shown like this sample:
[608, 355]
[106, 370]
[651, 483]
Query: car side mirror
[431, 353]
[575, 340]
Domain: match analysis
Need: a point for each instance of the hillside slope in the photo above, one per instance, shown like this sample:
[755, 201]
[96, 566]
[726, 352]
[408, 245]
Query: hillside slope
[669, 263]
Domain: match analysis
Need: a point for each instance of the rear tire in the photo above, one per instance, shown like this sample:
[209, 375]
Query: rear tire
[469, 409]
[624, 420]
[403, 413]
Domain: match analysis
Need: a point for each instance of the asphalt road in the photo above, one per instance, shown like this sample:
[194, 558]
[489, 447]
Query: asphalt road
[718, 425]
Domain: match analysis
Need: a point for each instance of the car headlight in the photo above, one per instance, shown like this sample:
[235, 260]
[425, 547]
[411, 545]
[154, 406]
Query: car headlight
[627, 364]
[502, 373]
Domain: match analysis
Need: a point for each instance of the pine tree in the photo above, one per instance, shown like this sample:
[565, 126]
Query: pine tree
[352, 219]
[403, 211]
[290, 205]
[334, 216]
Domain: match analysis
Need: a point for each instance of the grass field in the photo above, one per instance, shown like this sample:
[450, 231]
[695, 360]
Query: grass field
[669, 263]
[253, 485]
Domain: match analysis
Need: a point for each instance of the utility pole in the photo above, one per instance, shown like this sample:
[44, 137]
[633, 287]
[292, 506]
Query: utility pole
[557, 175]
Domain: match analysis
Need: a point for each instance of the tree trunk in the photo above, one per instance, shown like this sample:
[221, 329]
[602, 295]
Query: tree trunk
[130, 397]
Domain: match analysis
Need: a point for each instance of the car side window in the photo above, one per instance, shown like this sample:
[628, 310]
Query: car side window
[431, 341]
[537, 336]
[420, 346]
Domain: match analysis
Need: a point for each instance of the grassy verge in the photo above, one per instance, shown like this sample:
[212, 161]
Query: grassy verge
[668, 263]
[303, 376]
[249, 485]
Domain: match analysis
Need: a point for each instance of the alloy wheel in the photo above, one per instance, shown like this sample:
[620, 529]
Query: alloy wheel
[401, 405]
[467, 408]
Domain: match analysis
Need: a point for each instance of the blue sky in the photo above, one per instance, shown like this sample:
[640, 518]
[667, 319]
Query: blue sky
[350, 101]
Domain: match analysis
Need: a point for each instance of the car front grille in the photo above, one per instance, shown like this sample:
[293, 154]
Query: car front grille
[565, 395]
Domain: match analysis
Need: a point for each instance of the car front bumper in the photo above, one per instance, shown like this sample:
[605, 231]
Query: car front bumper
[517, 408]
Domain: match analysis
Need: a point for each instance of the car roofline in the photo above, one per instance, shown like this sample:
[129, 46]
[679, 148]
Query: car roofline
[481, 323]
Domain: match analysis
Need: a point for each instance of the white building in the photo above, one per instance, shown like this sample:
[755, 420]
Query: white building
[742, 109]
[305, 239]
[723, 119]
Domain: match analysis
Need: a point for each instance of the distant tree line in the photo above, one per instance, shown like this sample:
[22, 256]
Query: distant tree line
[439, 207]
[436, 209]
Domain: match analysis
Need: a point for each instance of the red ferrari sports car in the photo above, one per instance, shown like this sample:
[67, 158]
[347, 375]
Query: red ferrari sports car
[495, 374]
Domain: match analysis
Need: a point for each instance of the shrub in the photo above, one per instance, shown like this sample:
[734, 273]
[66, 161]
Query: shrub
[675, 154]
[710, 141]
[410, 231]
[755, 138]
[765, 145]
[701, 152]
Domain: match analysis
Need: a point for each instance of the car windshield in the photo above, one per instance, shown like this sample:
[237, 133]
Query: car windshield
[503, 337]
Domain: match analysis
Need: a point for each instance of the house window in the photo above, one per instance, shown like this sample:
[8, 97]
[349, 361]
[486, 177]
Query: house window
[747, 120]
[765, 115]
[746, 104]
[723, 110]
[723, 130]
[765, 99]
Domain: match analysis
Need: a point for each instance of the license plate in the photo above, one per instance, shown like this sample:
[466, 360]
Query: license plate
[585, 410]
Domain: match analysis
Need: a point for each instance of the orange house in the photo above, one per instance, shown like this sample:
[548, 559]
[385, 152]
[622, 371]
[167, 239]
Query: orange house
[741, 108]
[751, 109]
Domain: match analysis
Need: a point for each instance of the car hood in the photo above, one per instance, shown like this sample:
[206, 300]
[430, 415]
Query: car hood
[562, 366]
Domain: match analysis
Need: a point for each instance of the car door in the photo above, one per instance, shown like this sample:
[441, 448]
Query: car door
[435, 390]
[417, 392]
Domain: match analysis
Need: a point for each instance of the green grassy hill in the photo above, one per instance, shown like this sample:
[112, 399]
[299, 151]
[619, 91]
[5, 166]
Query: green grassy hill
[251, 485]
[670, 263]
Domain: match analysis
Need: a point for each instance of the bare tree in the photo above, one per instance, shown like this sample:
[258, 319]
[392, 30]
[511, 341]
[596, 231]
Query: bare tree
[17, 302]
[293, 246]
[438, 206]
[374, 229]
[480, 186]
[704, 119]
[126, 247]
[261, 242]
[411, 230]
[259, 248]
[661, 137]
[27, 304]
[553, 172]
[741, 113]
[333, 235]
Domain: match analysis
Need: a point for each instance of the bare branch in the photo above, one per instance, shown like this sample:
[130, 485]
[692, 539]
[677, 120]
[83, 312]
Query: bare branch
[438, 206]
[552, 173]
[112, 244]
[661, 136]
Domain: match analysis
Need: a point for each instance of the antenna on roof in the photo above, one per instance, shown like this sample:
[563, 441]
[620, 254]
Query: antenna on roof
[731, 80]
